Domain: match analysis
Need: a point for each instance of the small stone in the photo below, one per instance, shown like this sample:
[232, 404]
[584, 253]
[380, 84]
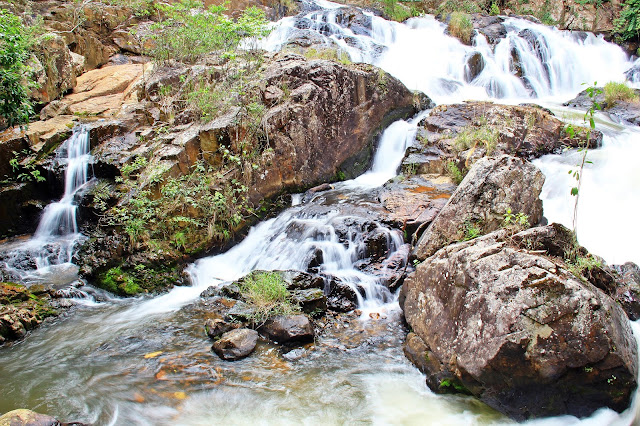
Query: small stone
[236, 344]
[216, 327]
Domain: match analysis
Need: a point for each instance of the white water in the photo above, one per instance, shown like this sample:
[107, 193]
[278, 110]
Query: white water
[53, 243]
[423, 58]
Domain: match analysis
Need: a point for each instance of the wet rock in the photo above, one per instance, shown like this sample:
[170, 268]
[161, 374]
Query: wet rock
[491, 27]
[241, 312]
[312, 301]
[491, 187]
[621, 111]
[340, 296]
[517, 330]
[236, 344]
[288, 329]
[23, 417]
[216, 327]
[474, 66]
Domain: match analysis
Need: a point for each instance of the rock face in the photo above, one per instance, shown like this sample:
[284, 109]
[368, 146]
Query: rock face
[53, 69]
[22, 417]
[491, 187]
[517, 330]
[21, 310]
[288, 329]
[332, 109]
[236, 344]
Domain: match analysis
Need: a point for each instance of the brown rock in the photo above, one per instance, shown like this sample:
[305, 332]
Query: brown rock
[288, 329]
[236, 344]
[518, 331]
[493, 186]
[53, 69]
[22, 417]
[216, 327]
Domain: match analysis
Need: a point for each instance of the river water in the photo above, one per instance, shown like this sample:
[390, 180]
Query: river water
[90, 365]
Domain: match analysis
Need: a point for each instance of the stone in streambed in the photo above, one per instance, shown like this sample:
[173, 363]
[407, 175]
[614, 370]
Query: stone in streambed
[288, 329]
[23, 417]
[236, 344]
[216, 327]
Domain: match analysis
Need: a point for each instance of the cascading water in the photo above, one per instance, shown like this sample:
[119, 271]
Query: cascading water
[97, 357]
[57, 233]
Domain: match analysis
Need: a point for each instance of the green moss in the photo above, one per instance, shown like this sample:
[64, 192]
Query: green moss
[117, 281]
[453, 385]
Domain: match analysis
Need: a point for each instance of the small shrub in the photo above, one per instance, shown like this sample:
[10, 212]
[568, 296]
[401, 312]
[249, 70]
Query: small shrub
[455, 173]
[267, 294]
[461, 27]
[614, 92]
[515, 222]
[470, 230]
[494, 10]
[627, 25]
[396, 11]
[471, 136]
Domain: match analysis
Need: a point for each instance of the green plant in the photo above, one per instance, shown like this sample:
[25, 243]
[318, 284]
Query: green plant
[186, 36]
[614, 92]
[627, 25]
[15, 105]
[396, 11]
[481, 133]
[494, 10]
[589, 116]
[23, 165]
[461, 27]
[515, 222]
[453, 385]
[267, 294]
[455, 173]
[579, 264]
[470, 230]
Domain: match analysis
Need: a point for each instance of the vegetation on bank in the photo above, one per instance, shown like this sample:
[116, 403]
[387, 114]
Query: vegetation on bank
[619, 92]
[16, 40]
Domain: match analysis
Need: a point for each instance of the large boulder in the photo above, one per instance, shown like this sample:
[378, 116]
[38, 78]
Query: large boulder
[496, 318]
[492, 187]
[236, 344]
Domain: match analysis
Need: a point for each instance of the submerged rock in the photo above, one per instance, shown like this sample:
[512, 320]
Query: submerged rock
[23, 417]
[236, 344]
[497, 318]
[216, 327]
[288, 329]
[492, 187]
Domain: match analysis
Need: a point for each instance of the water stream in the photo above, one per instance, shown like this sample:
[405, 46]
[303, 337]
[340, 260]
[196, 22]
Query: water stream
[90, 366]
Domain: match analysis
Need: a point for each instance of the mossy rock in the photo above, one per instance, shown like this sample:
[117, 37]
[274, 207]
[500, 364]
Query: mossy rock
[127, 281]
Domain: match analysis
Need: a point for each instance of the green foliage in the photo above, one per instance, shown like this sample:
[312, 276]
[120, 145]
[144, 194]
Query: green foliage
[267, 294]
[396, 11]
[455, 173]
[188, 213]
[15, 105]
[579, 264]
[515, 222]
[589, 116]
[23, 166]
[466, 6]
[494, 10]
[187, 36]
[470, 230]
[453, 385]
[627, 25]
[614, 92]
[461, 27]
[119, 282]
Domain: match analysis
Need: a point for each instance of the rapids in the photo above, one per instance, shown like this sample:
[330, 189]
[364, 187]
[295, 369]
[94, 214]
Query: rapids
[90, 366]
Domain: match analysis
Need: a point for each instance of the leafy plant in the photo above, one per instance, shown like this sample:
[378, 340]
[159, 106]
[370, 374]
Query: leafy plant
[470, 230]
[23, 165]
[481, 133]
[592, 91]
[454, 171]
[15, 105]
[515, 222]
[614, 92]
[627, 25]
[494, 10]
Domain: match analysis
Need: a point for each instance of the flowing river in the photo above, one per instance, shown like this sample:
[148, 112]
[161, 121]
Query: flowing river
[90, 365]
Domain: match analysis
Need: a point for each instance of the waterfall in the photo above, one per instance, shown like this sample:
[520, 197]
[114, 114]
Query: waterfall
[57, 233]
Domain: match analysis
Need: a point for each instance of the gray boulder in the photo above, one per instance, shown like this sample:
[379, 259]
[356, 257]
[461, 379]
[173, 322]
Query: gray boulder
[288, 329]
